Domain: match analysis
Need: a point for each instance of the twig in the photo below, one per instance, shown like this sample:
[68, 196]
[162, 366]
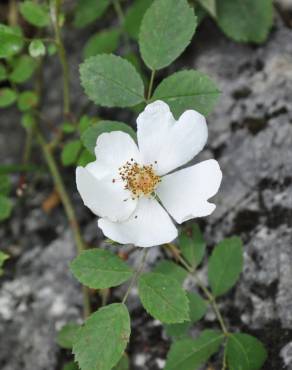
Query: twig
[151, 85]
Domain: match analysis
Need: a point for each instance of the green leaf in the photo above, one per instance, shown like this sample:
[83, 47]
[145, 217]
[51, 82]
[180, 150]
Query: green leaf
[87, 11]
[5, 207]
[172, 269]
[23, 69]
[177, 331]
[27, 100]
[102, 42]
[225, 265]
[245, 352]
[163, 297]
[52, 49]
[210, 6]
[67, 335]
[85, 158]
[192, 245]
[5, 185]
[166, 30]
[68, 128]
[70, 366]
[37, 48]
[28, 120]
[34, 13]
[3, 258]
[90, 136]
[3, 73]
[84, 123]
[100, 269]
[111, 81]
[7, 97]
[102, 340]
[245, 20]
[11, 41]
[190, 354]
[70, 152]
[134, 17]
[188, 90]
[123, 364]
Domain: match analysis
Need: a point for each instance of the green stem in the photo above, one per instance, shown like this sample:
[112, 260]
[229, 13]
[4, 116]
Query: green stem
[151, 85]
[55, 13]
[136, 275]
[206, 291]
[121, 16]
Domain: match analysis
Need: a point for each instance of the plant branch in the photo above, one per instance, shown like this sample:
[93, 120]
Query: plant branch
[151, 85]
[136, 275]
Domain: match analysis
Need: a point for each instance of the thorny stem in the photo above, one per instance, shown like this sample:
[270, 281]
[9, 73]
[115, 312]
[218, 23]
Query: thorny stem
[55, 13]
[151, 84]
[206, 291]
[136, 275]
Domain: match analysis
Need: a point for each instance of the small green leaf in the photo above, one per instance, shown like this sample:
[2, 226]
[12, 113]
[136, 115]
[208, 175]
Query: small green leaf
[37, 48]
[70, 366]
[166, 30]
[28, 120]
[111, 81]
[245, 352]
[177, 331]
[102, 42]
[225, 265]
[7, 97]
[67, 335]
[11, 41]
[190, 354]
[188, 90]
[3, 73]
[23, 69]
[5, 207]
[100, 269]
[163, 297]
[172, 269]
[70, 152]
[210, 6]
[87, 11]
[102, 340]
[36, 14]
[27, 100]
[85, 158]
[3, 258]
[84, 123]
[68, 128]
[5, 185]
[134, 17]
[52, 49]
[90, 135]
[245, 20]
[123, 364]
[192, 245]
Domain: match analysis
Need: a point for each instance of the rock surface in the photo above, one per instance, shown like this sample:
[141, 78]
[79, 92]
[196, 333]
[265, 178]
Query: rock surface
[251, 136]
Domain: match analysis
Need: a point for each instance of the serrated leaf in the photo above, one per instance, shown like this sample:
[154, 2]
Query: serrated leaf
[163, 297]
[225, 265]
[100, 269]
[23, 69]
[172, 269]
[188, 90]
[102, 42]
[245, 20]
[102, 340]
[245, 352]
[34, 13]
[85, 158]
[11, 41]
[190, 354]
[111, 81]
[90, 135]
[67, 335]
[123, 364]
[134, 17]
[177, 331]
[3, 73]
[5, 207]
[192, 245]
[70, 152]
[87, 11]
[166, 30]
[37, 48]
[7, 97]
[27, 100]
[5, 185]
[210, 6]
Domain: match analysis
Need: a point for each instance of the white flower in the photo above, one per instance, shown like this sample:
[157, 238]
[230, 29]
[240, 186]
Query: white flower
[135, 191]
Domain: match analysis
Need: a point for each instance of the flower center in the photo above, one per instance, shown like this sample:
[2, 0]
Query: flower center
[140, 180]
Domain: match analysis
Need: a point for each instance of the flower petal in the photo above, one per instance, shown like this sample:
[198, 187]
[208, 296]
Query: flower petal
[114, 149]
[168, 142]
[148, 226]
[104, 197]
[184, 193]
